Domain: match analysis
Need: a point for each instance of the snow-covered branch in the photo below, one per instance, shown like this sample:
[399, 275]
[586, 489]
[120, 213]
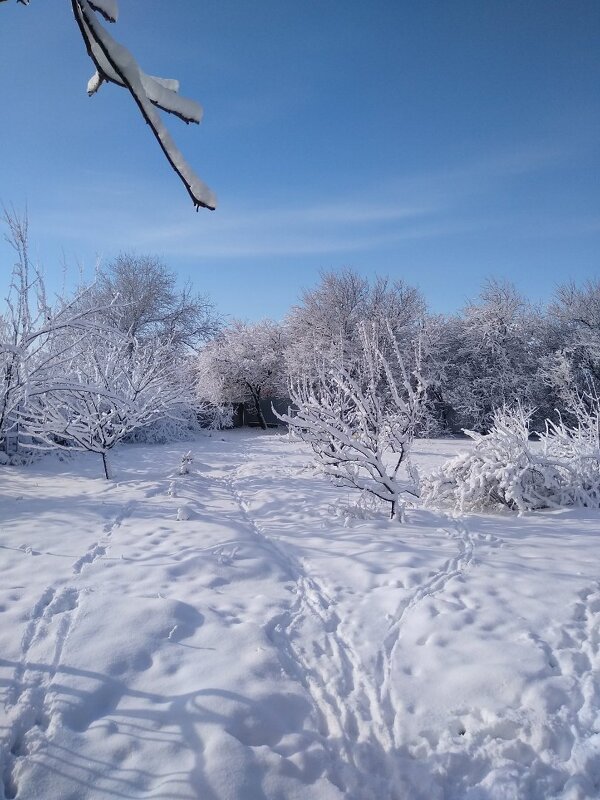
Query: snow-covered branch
[115, 64]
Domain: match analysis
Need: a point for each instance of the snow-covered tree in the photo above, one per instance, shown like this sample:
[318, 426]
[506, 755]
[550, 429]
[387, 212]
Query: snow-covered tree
[330, 314]
[33, 331]
[573, 369]
[360, 416]
[440, 339]
[487, 356]
[140, 297]
[115, 64]
[244, 363]
[578, 309]
[113, 385]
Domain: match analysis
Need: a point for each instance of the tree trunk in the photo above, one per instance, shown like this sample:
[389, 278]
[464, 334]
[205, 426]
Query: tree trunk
[259, 413]
[106, 466]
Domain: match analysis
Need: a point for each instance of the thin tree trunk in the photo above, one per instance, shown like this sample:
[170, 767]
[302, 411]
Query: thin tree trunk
[7, 389]
[259, 413]
[106, 466]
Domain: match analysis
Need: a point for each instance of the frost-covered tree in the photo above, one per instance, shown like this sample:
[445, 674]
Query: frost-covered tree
[331, 311]
[573, 369]
[330, 314]
[244, 363]
[140, 297]
[112, 386]
[33, 331]
[578, 309]
[115, 64]
[360, 416]
[440, 338]
[487, 356]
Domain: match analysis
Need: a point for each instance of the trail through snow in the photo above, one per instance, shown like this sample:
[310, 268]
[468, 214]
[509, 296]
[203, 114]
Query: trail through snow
[356, 710]
[222, 635]
[31, 694]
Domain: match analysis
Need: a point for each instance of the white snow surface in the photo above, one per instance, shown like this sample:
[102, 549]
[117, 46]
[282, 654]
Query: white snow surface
[275, 640]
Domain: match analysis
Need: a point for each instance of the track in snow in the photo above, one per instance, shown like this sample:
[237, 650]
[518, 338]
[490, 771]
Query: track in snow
[454, 567]
[355, 711]
[99, 548]
[30, 703]
[30, 698]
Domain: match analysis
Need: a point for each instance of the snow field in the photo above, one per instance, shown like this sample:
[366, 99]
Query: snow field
[222, 634]
[117, 707]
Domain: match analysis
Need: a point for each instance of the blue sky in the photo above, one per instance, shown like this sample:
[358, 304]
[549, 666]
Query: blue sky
[440, 142]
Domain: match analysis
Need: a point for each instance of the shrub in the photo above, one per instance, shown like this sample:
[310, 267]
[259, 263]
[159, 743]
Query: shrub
[505, 469]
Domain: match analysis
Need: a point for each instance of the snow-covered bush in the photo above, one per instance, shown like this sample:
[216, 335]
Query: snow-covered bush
[360, 417]
[215, 417]
[494, 473]
[187, 459]
[184, 513]
[361, 509]
[574, 450]
[506, 469]
[180, 424]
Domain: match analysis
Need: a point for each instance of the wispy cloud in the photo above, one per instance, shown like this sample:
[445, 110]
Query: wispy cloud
[431, 205]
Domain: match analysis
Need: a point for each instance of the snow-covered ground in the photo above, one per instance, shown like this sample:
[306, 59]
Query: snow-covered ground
[275, 642]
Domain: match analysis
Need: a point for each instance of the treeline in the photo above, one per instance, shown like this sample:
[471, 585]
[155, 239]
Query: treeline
[368, 369]
[133, 355]
[499, 350]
